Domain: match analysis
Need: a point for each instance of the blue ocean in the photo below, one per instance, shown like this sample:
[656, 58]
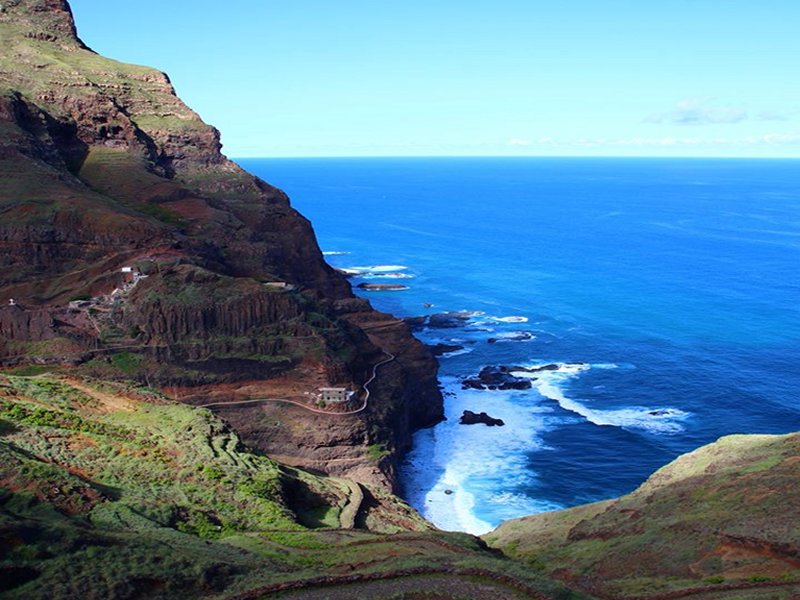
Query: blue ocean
[663, 293]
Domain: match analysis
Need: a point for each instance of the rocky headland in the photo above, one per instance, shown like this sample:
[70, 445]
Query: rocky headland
[132, 248]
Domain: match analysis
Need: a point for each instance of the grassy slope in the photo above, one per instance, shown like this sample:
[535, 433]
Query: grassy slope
[108, 491]
[724, 517]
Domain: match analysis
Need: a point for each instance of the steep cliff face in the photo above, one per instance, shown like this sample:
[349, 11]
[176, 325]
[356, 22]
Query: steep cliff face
[105, 169]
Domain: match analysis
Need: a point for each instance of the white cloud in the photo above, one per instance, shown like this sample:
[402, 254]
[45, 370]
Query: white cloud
[772, 115]
[519, 142]
[769, 139]
[780, 138]
[699, 111]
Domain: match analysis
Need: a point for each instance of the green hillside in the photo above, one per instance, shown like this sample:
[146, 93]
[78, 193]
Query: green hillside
[724, 520]
[113, 491]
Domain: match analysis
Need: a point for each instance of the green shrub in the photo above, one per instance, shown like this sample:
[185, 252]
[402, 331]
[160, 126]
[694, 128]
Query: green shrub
[376, 452]
[213, 473]
[127, 362]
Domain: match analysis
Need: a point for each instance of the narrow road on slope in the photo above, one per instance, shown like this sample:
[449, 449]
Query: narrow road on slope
[363, 407]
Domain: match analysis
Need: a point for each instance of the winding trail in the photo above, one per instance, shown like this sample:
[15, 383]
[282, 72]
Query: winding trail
[362, 408]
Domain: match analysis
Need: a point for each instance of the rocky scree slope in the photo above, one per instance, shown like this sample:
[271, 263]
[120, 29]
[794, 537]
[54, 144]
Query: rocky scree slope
[103, 167]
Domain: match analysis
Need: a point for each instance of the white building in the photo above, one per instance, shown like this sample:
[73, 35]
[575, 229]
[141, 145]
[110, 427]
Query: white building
[335, 394]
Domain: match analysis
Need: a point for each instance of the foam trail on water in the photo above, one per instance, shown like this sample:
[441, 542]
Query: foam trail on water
[513, 336]
[470, 477]
[377, 275]
[656, 420]
[458, 352]
[377, 268]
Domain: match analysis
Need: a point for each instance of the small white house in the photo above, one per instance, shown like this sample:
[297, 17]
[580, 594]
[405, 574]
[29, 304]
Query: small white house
[127, 269]
[335, 394]
[279, 285]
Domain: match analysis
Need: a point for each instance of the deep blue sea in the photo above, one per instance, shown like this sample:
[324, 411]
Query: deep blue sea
[667, 291]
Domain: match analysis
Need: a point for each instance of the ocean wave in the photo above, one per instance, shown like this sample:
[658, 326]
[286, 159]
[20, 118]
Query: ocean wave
[458, 352]
[467, 477]
[512, 336]
[551, 370]
[371, 275]
[662, 420]
[521, 502]
[510, 319]
[334, 253]
[383, 288]
[376, 269]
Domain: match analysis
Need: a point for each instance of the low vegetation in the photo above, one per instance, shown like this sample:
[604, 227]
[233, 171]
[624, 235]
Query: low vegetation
[723, 517]
[109, 490]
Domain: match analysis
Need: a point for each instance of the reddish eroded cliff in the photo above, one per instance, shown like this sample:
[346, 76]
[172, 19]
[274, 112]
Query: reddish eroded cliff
[224, 289]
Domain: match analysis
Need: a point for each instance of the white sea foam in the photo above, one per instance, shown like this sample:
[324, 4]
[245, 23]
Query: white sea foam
[394, 288]
[656, 420]
[510, 319]
[482, 467]
[387, 276]
[514, 336]
[377, 268]
[456, 352]
[334, 253]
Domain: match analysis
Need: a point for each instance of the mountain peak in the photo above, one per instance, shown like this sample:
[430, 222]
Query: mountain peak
[43, 20]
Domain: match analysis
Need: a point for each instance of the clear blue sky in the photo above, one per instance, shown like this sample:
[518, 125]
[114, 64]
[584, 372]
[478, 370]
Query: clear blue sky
[483, 77]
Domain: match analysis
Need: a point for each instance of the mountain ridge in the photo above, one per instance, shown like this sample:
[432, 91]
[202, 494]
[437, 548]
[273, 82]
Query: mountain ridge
[108, 170]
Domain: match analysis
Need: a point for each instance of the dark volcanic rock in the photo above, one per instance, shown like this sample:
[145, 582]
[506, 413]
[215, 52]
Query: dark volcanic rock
[448, 320]
[471, 418]
[439, 349]
[416, 323]
[517, 336]
[497, 378]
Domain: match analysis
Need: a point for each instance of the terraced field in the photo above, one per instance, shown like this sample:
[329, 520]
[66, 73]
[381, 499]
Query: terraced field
[110, 490]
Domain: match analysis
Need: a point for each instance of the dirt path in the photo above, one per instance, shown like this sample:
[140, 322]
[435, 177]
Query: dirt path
[109, 401]
[319, 411]
[347, 518]
[422, 582]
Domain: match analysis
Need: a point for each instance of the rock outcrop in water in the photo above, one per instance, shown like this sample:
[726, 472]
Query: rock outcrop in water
[497, 378]
[471, 418]
[132, 248]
